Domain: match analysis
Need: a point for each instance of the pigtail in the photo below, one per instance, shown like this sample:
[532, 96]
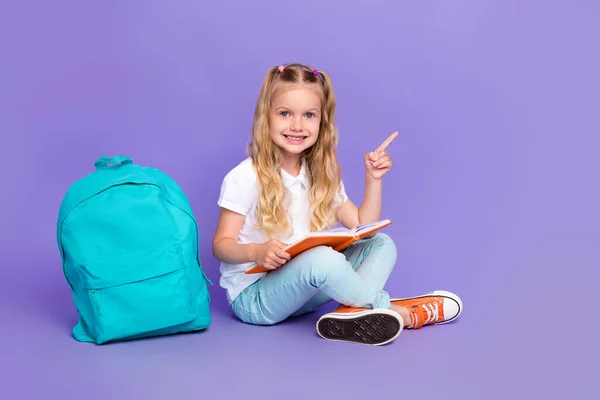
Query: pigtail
[329, 106]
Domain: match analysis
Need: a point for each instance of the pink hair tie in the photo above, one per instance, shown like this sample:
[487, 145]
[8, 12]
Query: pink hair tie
[316, 73]
[281, 67]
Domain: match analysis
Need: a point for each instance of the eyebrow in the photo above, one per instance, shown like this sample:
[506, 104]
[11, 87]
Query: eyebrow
[314, 110]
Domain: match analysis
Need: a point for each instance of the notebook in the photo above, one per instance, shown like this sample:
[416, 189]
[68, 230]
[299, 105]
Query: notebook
[336, 238]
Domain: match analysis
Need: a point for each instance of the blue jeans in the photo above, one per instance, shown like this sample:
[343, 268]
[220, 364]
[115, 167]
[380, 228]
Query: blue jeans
[354, 277]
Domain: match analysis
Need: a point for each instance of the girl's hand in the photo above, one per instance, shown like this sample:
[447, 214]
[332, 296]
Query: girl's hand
[379, 162]
[270, 255]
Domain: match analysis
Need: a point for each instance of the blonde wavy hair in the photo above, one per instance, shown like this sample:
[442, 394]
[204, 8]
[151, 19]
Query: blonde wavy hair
[322, 167]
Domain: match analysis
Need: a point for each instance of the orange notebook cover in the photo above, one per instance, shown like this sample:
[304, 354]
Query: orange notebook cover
[337, 238]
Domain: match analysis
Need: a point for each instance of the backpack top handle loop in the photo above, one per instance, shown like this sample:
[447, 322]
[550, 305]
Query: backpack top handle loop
[103, 162]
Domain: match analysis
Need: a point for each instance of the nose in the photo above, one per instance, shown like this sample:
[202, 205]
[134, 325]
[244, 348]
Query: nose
[296, 123]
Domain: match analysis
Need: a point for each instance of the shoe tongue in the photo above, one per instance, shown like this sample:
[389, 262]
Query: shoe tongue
[422, 309]
[417, 318]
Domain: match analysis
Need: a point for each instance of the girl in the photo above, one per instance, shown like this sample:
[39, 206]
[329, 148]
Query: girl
[291, 185]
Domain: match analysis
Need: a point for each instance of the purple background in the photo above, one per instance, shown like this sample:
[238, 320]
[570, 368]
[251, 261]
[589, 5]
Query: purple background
[493, 194]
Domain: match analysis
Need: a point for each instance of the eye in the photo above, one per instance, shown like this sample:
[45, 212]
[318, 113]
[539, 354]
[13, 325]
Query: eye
[284, 113]
[310, 115]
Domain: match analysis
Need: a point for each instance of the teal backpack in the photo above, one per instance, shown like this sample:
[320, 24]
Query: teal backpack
[129, 247]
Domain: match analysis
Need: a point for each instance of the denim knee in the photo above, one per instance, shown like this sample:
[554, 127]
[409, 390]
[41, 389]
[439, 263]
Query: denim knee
[385, 243]
[320, 263]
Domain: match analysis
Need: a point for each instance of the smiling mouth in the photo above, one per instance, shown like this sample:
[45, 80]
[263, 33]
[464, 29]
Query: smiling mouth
[295, 138]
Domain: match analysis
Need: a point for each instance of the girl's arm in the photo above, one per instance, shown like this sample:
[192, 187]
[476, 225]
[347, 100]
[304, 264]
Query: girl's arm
[350, 215]
[226, 248]
[370, 210]
[377, 164]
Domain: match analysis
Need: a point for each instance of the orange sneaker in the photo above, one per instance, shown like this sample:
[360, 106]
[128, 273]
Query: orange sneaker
[360, 325]
[437, 307]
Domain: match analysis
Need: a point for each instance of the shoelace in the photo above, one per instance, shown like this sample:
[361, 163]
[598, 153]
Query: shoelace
[423, 314]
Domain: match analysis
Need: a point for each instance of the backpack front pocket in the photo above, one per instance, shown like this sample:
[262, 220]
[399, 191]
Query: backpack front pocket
[137, 293]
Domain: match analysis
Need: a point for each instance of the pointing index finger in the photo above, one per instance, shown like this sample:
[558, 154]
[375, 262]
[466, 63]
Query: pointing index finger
[387, 142]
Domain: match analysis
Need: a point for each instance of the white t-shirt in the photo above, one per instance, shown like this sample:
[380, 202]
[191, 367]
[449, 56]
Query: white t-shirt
[239, 194]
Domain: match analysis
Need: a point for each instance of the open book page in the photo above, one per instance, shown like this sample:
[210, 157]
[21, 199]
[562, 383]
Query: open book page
[342, 231]
[366, 229]
[339, 231]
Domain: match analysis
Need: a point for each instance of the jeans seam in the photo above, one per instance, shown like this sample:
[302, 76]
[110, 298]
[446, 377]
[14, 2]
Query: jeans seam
[271, 292]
